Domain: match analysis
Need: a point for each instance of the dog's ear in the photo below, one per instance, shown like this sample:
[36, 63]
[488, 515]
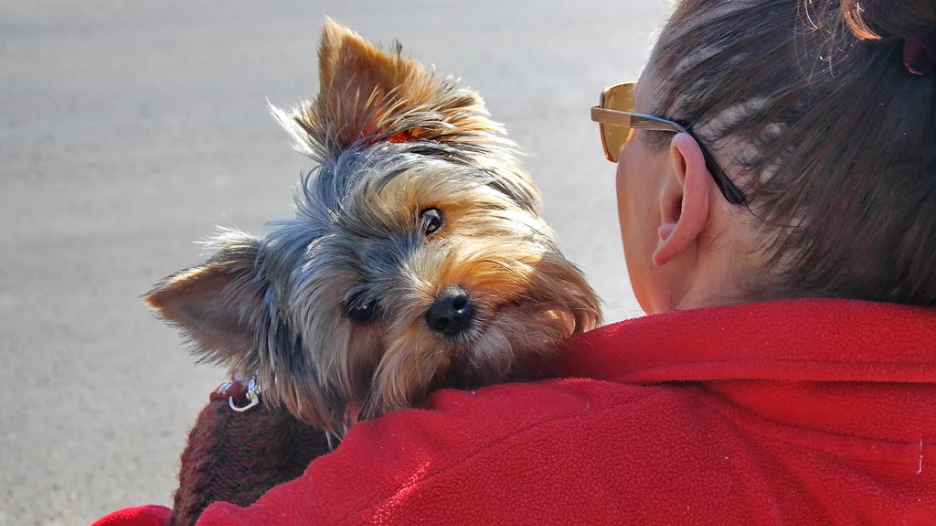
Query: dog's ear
[229, 310]
[218, 305]
[370, 95]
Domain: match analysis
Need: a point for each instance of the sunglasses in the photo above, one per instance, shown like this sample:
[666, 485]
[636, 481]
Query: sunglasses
[616, 118]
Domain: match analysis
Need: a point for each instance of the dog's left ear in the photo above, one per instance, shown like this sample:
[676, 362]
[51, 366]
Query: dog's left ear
[371, 95]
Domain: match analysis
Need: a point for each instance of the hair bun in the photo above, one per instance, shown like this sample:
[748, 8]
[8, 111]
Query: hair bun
[890, 20]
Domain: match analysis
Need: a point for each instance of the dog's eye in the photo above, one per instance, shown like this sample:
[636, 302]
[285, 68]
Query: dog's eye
[362, 313]
[432, 220]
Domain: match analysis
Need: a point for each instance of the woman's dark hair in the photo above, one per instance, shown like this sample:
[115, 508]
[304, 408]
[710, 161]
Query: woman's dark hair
[812, 111]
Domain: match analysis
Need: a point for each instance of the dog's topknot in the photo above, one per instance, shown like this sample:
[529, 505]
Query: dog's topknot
[370, 95]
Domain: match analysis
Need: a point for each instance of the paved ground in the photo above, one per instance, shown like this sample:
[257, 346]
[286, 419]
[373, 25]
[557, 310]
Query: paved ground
[129, 129]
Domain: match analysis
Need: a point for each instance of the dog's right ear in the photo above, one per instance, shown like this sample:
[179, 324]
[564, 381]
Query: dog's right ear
[219, 305]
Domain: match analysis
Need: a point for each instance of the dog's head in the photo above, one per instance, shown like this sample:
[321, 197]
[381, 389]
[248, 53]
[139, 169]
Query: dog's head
[416, 257]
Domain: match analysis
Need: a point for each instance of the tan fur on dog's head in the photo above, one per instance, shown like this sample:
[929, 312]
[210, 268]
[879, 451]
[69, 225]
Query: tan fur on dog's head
[416, 259]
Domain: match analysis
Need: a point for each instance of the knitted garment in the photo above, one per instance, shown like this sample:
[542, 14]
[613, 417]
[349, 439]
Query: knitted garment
[237, 457]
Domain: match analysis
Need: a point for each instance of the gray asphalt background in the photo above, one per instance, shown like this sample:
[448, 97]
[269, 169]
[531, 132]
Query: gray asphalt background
[129, 129]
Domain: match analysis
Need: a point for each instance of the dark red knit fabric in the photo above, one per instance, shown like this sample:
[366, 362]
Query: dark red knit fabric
[795, 412]
[237, 457]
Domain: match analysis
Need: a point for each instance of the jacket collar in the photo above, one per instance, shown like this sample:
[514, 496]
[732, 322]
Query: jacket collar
[841, 368]
[809, 339]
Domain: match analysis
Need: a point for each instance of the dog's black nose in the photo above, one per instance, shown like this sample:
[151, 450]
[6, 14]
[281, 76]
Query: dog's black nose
[451, 313]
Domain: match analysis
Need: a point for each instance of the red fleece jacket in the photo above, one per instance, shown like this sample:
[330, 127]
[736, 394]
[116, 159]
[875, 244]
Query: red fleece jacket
[806, 411]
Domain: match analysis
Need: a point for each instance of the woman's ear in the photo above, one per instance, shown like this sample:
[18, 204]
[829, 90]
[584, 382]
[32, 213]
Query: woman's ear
[684, 200]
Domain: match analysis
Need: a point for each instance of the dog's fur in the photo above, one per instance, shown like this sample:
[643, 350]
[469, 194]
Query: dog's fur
[391, 141]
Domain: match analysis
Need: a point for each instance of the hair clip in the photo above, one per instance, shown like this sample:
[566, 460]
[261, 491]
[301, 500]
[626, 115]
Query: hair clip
[919, 54]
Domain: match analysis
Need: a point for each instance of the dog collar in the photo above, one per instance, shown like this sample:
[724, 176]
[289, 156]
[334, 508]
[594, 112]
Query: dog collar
[241, 395]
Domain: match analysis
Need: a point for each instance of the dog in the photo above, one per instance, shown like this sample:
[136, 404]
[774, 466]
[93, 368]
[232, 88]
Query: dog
[416, 259]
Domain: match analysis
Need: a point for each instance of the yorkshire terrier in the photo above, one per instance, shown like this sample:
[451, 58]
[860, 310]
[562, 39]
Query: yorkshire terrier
[416, 259]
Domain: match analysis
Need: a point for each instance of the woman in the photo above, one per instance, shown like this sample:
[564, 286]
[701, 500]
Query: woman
[777, 198]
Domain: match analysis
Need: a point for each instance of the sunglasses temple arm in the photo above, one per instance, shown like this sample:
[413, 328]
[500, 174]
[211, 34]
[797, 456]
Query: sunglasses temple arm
[606, 116]
[732, 193]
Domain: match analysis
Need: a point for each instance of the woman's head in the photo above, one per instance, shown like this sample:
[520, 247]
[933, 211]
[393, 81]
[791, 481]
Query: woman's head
[810, 109]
